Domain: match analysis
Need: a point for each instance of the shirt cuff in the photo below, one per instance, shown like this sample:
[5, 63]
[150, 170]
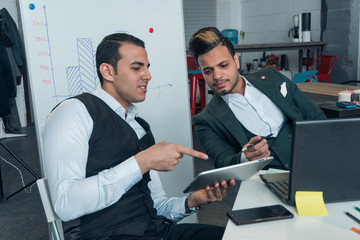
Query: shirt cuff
[183, 210]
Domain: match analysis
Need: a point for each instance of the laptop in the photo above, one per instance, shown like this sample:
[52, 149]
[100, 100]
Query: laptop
[325, 157]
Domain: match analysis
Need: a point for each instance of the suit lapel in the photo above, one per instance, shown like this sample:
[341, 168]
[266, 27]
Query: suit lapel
[221, 111]
[269, 83]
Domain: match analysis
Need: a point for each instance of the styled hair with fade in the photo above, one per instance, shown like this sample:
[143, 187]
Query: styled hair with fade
[108, 50]
[206, 39]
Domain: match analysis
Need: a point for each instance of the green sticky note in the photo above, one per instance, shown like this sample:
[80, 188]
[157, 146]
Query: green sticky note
[309, 203]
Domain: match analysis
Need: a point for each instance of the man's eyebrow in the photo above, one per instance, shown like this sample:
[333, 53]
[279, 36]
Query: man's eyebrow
[225, 61]
[207, 68]
[139, 63]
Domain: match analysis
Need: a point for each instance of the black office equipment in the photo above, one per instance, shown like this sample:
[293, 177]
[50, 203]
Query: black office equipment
[259, 214]
[325, 157]
[25, 166]
[346, 104]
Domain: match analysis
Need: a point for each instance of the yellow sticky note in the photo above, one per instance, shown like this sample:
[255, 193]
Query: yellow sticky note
[310, 203]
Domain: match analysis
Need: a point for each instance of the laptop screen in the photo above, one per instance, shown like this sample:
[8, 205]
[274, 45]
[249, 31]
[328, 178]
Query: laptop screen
[326, 157]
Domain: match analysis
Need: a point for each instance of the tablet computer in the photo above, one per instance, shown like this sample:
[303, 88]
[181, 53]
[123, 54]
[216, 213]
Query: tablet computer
[241, 171]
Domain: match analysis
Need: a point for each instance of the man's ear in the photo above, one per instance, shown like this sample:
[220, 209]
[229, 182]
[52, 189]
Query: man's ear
[107, 71]
[236, 59]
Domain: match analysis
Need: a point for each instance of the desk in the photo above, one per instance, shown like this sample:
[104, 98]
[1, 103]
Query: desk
[253, 193]
[282, 47]
[330, 89]
[325, 95]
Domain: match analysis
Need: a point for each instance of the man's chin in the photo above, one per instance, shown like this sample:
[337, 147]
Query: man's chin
[139, 100]
[222, 92]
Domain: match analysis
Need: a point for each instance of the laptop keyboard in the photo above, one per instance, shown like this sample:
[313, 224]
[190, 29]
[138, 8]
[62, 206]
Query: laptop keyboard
[282, 186]
[277, 183]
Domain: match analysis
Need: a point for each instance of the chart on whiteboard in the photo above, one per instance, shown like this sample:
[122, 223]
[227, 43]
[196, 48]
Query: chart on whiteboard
[81, 76]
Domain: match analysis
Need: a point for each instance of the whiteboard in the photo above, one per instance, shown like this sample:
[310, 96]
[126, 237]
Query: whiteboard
[61, 39]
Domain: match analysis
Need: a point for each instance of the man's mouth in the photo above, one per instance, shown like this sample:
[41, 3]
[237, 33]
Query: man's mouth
[144, 86]
[220, 84]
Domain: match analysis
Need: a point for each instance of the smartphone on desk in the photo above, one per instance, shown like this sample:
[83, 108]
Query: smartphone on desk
[259, 214]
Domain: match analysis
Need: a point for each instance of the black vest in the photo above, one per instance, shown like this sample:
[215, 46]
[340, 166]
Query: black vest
[113, 141]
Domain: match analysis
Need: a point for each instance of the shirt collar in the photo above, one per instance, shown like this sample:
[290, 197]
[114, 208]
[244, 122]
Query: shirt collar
[228, 97]
[132, 111]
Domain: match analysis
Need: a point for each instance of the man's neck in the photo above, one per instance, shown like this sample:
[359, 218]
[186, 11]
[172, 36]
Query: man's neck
[240, 86]
[113, 95]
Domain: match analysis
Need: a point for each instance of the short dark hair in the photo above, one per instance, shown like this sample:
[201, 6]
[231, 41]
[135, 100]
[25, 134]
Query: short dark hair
[206, 39]
[108, 50]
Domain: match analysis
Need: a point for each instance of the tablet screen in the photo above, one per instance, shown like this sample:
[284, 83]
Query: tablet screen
[240, 172]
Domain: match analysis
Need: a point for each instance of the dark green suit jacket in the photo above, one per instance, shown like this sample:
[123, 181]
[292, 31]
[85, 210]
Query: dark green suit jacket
[223, 136]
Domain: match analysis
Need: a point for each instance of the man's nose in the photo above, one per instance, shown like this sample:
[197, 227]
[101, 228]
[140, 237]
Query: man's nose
[147, 75]
[218, 74]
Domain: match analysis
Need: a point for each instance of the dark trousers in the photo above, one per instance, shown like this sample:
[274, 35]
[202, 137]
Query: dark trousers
[186, 231]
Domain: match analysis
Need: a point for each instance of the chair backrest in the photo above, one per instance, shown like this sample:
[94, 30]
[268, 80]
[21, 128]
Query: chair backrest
[191, 63]
[51, 216]
[308, 76]
[326, 65]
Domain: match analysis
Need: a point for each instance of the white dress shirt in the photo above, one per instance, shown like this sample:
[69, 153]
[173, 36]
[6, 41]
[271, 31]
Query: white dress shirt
[66, 135]
[256, 112]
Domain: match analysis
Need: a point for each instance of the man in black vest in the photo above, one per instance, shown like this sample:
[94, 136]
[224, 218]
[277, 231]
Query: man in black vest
[244, 108]
[101, 159]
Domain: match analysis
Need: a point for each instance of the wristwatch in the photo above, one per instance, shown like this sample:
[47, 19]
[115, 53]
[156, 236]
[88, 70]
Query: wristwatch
[190, 210]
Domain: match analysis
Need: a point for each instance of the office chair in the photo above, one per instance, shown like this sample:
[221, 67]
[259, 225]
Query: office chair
[326, 65]
[308, 76]
[196, 78]
[49, 210]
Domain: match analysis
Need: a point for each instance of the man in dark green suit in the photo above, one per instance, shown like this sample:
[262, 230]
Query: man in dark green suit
[244, 109]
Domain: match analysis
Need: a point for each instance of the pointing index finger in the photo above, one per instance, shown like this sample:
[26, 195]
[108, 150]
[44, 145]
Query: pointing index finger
[192, 152]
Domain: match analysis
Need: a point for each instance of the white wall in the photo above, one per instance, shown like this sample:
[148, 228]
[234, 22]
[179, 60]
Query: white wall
[264, 21]
[267, 21]
[11, 7]
[198, 14]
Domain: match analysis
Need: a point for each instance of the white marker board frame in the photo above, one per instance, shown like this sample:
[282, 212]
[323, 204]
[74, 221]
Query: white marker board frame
[61, 39]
